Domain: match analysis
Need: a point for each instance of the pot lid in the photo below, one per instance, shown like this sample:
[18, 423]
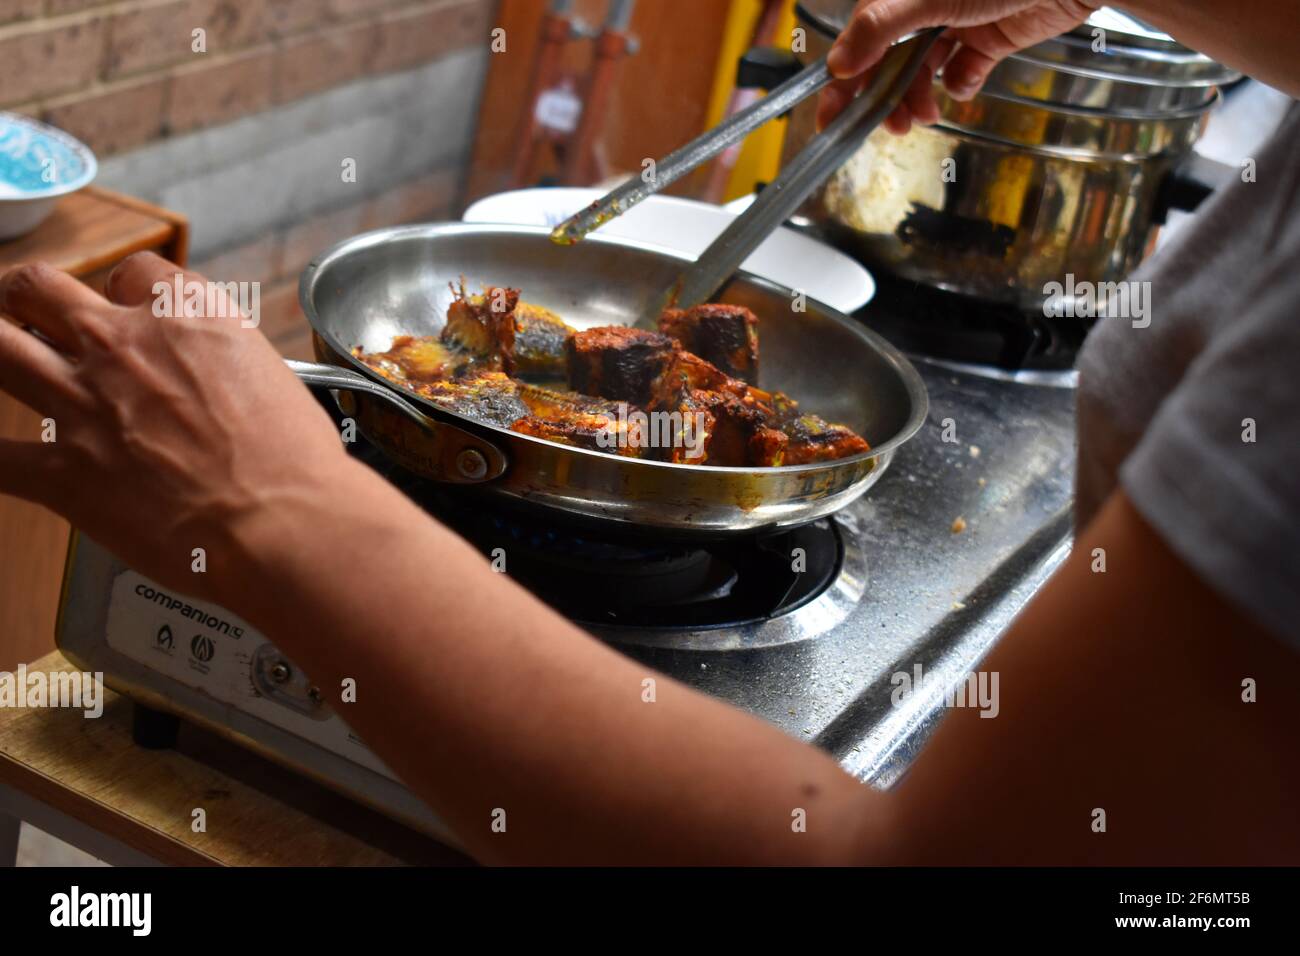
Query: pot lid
[1115, 45]
[1126, 49]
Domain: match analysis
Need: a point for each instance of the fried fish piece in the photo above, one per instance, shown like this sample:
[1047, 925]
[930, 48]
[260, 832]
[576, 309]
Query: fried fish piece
[556, 404]
[651, 371]
[813, 439]
[582, 421]
[540, 335]
[484, 326]
[492, 397]
[617, 362]
[593, 432]
[685, 372]
[415, 360]
[767, 448]
[510, 336]
[737, 417]
[497, 326]
[721, 429]
[724, 335]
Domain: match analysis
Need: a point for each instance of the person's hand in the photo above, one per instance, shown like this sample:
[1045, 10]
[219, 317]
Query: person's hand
[169, 434]
[982, 33]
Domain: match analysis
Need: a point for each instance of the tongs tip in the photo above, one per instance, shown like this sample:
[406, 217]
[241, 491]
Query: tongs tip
[565, 235]
[578, 226]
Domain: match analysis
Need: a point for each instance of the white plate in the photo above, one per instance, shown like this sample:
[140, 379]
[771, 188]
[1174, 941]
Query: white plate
[687, 226]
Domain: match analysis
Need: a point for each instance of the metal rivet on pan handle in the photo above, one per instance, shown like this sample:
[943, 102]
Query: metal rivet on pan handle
[471, 464]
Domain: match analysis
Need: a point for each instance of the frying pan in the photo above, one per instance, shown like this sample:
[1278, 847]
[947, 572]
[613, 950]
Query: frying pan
[368, 289]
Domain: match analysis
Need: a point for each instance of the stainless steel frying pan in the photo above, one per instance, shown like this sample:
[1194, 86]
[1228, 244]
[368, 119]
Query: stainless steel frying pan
[397, 281]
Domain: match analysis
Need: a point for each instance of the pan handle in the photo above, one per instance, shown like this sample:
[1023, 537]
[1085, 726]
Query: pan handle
[438, 451]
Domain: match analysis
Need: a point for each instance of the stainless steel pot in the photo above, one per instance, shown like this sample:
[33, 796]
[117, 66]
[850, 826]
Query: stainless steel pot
[1061, 166]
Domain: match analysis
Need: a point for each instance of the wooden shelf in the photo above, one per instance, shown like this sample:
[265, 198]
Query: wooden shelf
[94, 229]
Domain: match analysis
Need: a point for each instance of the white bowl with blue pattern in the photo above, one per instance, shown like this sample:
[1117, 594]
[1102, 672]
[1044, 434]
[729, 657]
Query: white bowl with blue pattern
[38, 164]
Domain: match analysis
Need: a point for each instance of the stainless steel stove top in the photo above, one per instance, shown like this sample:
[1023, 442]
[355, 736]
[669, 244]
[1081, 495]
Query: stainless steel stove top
[997, 453]
[918, 591]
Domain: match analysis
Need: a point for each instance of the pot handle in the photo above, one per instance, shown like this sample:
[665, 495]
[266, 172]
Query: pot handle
[1189, 184]
[436, 450]
[766, 68]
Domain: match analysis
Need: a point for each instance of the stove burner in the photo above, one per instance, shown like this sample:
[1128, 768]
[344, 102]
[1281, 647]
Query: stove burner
[605, 576]
[604, 579]
[927, 321]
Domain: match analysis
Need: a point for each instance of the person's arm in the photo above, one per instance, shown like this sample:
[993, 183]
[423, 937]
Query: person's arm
[1255, 37]
[1119, 691]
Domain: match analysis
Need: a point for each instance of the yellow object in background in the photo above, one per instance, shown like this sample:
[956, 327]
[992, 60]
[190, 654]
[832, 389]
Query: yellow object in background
[1016, 171]
[760, 155]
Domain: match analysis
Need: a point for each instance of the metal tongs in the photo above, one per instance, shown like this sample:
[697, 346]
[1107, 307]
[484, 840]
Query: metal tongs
[824, 154]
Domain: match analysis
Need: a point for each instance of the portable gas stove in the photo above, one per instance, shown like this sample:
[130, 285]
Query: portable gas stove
[887, 584]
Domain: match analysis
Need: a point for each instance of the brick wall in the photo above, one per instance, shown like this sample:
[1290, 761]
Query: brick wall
[121, 73]
[246, 137]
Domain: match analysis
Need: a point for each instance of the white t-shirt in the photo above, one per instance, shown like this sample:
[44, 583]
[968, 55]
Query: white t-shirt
[1197, 416]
